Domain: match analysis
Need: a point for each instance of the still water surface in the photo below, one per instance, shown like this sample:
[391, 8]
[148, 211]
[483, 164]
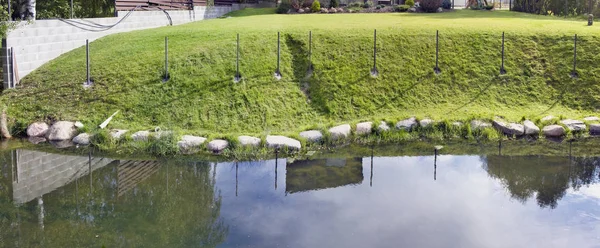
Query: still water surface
[49, 200]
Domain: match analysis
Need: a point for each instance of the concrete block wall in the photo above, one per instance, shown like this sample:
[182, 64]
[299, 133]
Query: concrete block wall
[34, 44]
[39, 173]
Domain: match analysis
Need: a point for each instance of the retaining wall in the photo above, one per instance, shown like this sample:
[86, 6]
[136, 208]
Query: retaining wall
[34, 44]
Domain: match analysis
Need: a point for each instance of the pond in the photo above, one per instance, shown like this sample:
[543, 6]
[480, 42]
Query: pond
[491, 200]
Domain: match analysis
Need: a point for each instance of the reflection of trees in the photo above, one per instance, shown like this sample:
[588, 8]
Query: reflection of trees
[175, 207]
[548, 178]
[307, 175]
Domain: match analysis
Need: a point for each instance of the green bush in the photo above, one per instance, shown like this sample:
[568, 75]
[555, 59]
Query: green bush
[410, 3]
[283, 7]
[430, 5]
[447, 4]
[381, 6]
[334, 3]
[401, 8]
[355, 5]
[316, 6]
[489, 7]
[368, 4]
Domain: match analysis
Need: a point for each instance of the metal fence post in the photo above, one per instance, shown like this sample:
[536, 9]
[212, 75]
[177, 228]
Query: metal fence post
[436, 69]
[88, 81]
[502, 70]
[237, 77]
[310, 64]
[166, 77]
[374, 72]
[574, 72]
[277, 71]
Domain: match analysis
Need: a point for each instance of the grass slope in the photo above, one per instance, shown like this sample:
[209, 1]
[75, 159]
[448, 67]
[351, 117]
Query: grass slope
[201, 97]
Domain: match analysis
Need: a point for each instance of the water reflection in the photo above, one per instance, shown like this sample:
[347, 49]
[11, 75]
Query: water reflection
[54, 200]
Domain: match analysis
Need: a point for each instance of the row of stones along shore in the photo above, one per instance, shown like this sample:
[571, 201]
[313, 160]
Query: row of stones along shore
[65, 133]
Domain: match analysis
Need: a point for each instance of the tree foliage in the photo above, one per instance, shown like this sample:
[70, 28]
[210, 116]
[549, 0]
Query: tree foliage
[557, 7]
[48, 9]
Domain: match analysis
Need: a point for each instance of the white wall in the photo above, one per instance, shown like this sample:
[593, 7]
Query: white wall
[36, 43]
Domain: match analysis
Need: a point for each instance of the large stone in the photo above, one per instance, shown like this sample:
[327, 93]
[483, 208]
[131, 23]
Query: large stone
[217, 145]
[591, 118]
[79, 125]
[190, 144]
[117, 133]
[36, 140]
[574, 125]
[413, 9]
[530, 128]
[62, 130]
[312, 135]
[595, 129]
[340, 132]
[62, 143]
[140, 136]
[383, 127]
[82, 139]
[553, 131]
[249, 141]
[511, 129]
[37, 129]
[364, 128]
[275, 141]
[300, 11]
[457, 123]
[407, 125]
[477, 124]
[548, 118]
[426, 122]
[439, 10]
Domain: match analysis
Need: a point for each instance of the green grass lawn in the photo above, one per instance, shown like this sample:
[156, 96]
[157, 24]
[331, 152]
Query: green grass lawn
[201, 97]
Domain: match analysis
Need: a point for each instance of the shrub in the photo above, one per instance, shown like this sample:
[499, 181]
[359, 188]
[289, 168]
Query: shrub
[430, 5]
[475, 7]
[381, 6]
[355, 5]
[307, 3]
[410, 3]
[316, 6]
[489, 7]
[401, 8]
[283, 7]
[368, 4]
[447, 4]
[334, 4]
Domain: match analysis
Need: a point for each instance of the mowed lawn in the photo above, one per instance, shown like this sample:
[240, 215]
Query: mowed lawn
[201, 96]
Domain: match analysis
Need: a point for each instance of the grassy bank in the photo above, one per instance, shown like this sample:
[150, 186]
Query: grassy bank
[201, 98]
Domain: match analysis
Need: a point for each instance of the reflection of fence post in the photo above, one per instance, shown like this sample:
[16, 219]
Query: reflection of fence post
[574, 72]
[436, 69]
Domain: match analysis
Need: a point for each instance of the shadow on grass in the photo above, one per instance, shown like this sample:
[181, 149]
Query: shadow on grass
[473, 99]
[466, 13]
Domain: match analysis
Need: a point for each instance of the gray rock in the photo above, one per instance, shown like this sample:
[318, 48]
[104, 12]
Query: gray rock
[407, 125]
[383, 127]
[323, 10]
[312, 135]
[553, 131]
[300, 11]
[340, 10]
[217, 145]
[457, 123]
[62, 143]
[439, 10]
[340, 132]
[477, 124]
[82, 139]
[78, 125]
[591, 118]
[117, 133]
[36, 140]
[62, 130]
[426, 122]
[412, 10]
[530, 128]
[332, 10]
[548, 118]
[161, 134]
[364, 128]
[37, 129]
[140, 136]
[509, 129]
[274, 141]
[249, 141]
[574, 125]
[190, 144]
[595, 129]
